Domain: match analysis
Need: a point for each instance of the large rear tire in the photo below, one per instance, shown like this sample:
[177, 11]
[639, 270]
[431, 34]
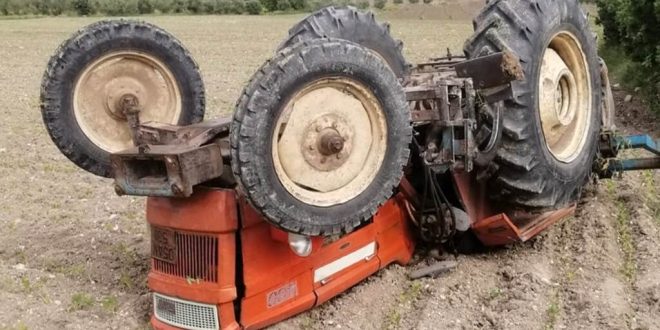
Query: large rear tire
[552, 124]
[320, 137]
[91, 72]
[351, 24]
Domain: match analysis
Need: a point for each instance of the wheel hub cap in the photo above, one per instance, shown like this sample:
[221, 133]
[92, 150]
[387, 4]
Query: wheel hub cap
[565, 97]
[100, 92]
[329, 142]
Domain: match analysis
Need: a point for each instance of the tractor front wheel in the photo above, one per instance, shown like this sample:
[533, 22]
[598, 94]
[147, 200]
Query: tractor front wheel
[320, 137]
[98, 67]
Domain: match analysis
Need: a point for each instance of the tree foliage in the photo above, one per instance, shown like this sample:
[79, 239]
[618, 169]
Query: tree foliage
[634, 25]
[141, 7]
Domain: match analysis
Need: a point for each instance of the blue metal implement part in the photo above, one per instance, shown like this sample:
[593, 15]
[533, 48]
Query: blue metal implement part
[639, 142]
[633, 142]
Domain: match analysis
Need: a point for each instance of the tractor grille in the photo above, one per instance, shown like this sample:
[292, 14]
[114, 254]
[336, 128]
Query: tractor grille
[193, 257]
[185, 314]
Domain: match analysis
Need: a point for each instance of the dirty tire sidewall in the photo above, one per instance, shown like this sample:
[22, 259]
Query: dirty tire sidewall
[525, 174]
[354, 25]
[90, 44]
[258, 111]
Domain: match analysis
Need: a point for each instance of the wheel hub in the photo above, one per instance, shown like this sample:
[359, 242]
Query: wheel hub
[329, 142]
[564, 97]
[100, 95]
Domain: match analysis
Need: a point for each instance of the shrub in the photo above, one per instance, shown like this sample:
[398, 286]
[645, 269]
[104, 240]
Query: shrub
[253, 7]
[162, 6]
[298, 4]
[397, 2]
[269, 5]
[82, 7]
[635, 26]
[413, 1]
[236, 7]
[119, 7]
[427, 1]
[362, 4]
[283, 5]
[200, 6]
[145, 7]
[380, 4]
[179, 6]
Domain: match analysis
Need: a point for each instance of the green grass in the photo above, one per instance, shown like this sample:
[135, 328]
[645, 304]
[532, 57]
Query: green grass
[407, 297]
[552, 313]
[494, 293]
[110, 304]
[652, 199]
[625, 241]
[81, 301]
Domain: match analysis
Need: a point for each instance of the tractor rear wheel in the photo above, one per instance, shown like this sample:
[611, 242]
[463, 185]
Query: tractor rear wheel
[320, 137]
[351, 24]
[551, 125]
[96, 68]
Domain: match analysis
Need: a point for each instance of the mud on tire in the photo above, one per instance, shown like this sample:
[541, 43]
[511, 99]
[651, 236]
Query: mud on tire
[138, 41]
[530, 170]
[259, 113]
[351, 24]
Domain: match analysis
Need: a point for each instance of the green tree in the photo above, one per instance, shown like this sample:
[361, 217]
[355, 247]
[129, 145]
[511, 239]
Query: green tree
[269, 5]
[362, 4]
[298, 4]
[253, 7]
[634, 25]
[145, 6]
[283, 5]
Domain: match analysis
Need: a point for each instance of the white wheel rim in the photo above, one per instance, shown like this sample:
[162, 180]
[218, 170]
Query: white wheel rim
[105, 81]
[329, 109]
[565, 100]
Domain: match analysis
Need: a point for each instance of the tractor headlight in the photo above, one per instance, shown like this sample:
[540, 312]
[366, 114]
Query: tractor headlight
[300, 245]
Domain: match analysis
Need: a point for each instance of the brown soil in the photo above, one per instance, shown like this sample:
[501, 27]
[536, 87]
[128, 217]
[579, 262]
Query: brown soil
[74, 256]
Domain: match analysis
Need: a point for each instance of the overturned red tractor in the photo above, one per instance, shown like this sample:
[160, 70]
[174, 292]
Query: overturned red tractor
[340, 156]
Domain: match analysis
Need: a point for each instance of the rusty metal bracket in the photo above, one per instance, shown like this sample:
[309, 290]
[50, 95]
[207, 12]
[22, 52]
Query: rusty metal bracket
[165, 170]
[491, 70]
[193, 135]
[170, 160]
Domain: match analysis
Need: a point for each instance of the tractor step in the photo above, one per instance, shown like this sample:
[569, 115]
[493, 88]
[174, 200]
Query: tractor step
[500, 230]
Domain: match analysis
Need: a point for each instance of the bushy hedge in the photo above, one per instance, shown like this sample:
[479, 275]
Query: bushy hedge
[634, 25]
[138, 7]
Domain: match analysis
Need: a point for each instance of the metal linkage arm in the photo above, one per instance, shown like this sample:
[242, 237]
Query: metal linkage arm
[611, 145]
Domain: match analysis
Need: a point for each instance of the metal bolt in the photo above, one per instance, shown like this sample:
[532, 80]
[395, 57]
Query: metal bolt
[331, 143]
[119, 190]
[177, 189]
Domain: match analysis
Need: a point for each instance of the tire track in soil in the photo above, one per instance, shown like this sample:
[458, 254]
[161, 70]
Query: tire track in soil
[644, 282]
[592, 294]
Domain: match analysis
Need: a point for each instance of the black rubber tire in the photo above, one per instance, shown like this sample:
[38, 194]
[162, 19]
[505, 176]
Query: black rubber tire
[526, 175]
[257, 113]
[89, 44]
[351, 24]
